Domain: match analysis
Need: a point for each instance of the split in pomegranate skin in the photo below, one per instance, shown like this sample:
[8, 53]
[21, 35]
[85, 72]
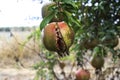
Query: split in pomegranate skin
[58, 37]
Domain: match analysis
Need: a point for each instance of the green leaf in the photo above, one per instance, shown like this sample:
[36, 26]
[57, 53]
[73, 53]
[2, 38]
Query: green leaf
[72, 19]
[40, 64]
[47, 19]
[97, 49]
[71, 2]
[71, 58]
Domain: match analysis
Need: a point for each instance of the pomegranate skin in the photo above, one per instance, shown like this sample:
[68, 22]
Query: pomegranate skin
[51, 34]
[46, 12]
[82, 74]
[97, 61]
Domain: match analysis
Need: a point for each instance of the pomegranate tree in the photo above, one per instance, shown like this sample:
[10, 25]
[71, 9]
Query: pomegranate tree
[58, 37]
[95, 25]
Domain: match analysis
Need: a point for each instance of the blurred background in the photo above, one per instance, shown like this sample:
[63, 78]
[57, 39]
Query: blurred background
[16, 13]
[18, 20]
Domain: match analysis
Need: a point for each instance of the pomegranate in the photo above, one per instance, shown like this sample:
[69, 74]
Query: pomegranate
[58, 37]
[89, 44]
[45, 8]
[97, 61]
[82, 74]
[46, 11]
[110, 40]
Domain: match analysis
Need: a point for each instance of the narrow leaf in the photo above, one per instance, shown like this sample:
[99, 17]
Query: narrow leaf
[72, 19]
[47, 19]
[71, 2]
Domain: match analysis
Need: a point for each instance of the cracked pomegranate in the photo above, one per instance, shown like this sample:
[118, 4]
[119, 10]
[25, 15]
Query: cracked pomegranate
[58, 37]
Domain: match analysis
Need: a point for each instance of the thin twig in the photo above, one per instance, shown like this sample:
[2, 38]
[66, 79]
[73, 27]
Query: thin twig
[55, 74]
[28, 47]
[71, 69]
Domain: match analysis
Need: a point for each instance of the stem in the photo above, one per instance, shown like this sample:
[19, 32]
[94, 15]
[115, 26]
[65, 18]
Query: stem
[63, 73]
[55, 75]
[99, 74]
[28, 47]
[71, 69]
